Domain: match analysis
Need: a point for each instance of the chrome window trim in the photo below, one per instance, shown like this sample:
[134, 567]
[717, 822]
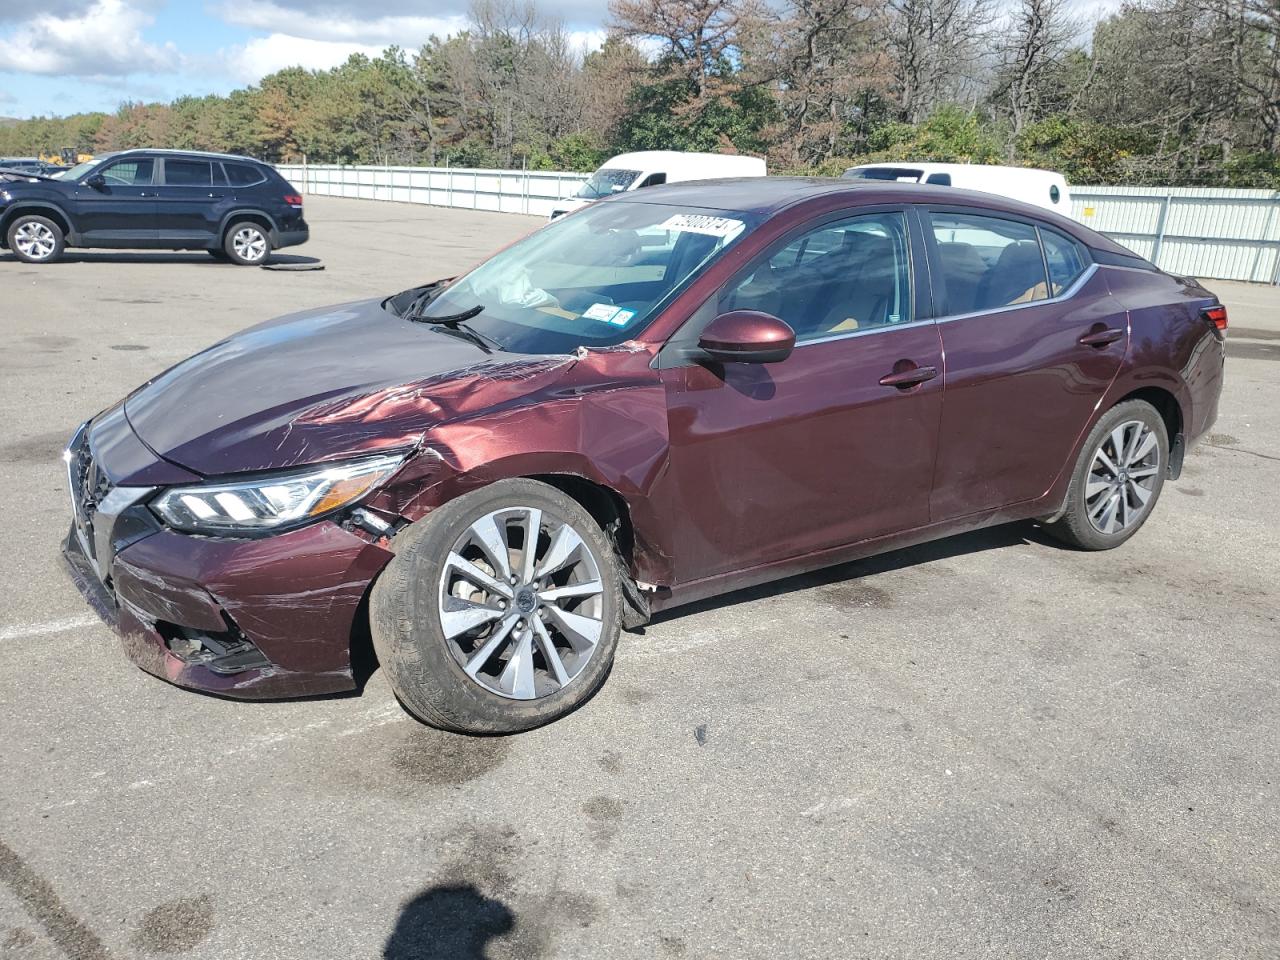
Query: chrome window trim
[1067, 294]
[881, 328]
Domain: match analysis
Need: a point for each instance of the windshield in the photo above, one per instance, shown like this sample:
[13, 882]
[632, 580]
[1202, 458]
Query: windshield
[884, 173]
[604, 182]
[591, 279]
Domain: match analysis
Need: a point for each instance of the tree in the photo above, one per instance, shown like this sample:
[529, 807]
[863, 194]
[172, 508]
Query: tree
[829, 70]
[1031, 53]
[936, 49]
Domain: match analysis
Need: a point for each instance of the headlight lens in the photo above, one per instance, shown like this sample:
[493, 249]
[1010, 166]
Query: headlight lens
[275, 501]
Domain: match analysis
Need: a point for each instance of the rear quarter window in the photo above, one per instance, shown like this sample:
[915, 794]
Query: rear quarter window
[1065, 259]
[243, 174]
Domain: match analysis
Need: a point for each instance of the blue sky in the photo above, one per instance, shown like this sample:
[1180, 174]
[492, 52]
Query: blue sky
[66, 56]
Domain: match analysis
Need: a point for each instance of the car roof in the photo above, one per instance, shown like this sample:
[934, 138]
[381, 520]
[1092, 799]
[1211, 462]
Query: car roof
[767, 196]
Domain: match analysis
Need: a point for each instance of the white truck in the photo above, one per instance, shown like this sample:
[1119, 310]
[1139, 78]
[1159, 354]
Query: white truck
[1044, 188]
[648, 168]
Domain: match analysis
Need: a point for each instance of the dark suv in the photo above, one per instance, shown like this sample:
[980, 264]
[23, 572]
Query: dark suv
[235, 208]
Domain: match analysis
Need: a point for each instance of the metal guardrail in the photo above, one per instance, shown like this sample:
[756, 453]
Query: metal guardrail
[534, 192]
[1212, 233]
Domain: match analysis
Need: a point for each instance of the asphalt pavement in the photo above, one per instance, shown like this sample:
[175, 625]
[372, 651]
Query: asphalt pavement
[988, 746]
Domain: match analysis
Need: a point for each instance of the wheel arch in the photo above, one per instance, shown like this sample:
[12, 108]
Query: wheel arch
[261, 218]
[607, 507]
[1169, 398]
[1166, 404]
[39, 209]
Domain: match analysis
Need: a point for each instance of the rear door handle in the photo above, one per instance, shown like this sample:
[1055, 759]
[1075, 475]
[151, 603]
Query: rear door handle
[1100, 338]
[908, 378]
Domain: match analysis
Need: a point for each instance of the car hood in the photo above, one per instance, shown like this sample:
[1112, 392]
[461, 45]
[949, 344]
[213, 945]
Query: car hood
[323, 385]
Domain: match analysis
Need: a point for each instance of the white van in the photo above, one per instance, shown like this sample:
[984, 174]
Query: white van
[1044, 188]
[648, 168]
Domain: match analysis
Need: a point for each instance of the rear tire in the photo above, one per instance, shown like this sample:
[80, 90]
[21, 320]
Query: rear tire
[1117, 478]
[35, 239]
[247, 244]
[468, 650]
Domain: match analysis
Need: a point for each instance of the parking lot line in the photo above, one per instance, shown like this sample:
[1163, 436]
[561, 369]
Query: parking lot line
[22, 631]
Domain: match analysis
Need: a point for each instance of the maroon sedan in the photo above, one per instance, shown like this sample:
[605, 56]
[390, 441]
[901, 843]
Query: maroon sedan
[670, 394]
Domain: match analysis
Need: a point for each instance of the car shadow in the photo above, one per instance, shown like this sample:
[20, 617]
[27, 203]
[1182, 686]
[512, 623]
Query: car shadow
[448, 922]
[197, 257]
[989, 538]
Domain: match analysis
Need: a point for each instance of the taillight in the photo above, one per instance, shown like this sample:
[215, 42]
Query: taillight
[1216, 315]
[293, 199]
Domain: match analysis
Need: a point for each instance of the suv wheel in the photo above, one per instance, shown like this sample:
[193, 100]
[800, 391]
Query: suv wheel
[1117, 479]
[500, 611]
[35, 239]
[247, 244]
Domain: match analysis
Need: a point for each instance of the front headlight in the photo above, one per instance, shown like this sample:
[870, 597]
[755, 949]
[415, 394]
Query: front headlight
[275, 501]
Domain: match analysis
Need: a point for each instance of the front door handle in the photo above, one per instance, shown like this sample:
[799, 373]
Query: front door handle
[1100, 338]
[910, 377]
[216, 196]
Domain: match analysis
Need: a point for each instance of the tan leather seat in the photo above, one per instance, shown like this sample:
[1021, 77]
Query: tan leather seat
[1017, 277]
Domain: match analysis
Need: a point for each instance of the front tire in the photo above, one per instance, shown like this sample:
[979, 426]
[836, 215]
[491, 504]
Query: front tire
[247, 244]
[477, 636]
[1117, 479]
[36, 239]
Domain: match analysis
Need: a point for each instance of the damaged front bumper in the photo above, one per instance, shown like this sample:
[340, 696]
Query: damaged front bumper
[248, 618]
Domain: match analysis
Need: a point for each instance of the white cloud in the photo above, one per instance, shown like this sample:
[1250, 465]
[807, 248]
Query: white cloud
[104, 39]
[587, 40]
[336, 25]
[264, 55]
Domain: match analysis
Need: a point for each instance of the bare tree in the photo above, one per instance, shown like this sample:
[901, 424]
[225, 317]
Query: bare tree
[697, 39]
[1263, 82]
[936, 48]
[828, 61]
[608, 77]
[1036, 40]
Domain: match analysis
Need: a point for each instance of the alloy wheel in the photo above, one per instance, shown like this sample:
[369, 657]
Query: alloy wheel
[521, 602]
[35, 240]
[249, 243]
[1122, 477]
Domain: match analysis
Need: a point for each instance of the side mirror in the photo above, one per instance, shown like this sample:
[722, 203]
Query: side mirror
[747, 336]
[97, 181]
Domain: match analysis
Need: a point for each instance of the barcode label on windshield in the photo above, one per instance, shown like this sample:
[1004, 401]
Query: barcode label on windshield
[698, 223]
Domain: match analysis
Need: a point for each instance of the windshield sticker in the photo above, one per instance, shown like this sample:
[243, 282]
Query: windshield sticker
[622, 318]
[723, 227]
[600, 311]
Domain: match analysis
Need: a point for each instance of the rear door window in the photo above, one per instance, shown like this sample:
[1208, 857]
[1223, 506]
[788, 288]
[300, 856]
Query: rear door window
[987, 263]
[133, 172]
[188, 173]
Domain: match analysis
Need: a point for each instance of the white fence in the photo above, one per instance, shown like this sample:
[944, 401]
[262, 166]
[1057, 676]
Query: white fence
[1198, 231]
[505, 191]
